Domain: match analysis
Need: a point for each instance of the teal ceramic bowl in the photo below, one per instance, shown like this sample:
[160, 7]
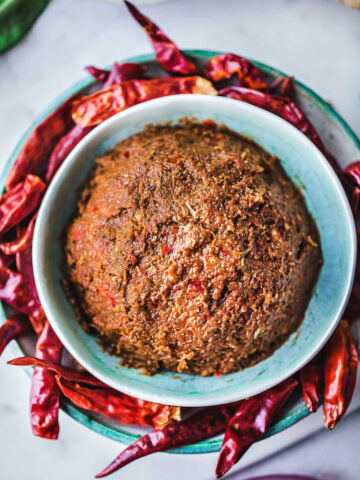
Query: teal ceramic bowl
[325, 199]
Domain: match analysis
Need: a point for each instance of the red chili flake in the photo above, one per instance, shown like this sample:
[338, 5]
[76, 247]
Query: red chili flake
[223, 252]
[226, 65]
[166, 249]
[239, 162]
[133, 258]
[208, 123]
[167, 53]
[95, 208]
[104, 293]
[78, 234]
[219, 136]
[93, 109]
[195, 286]
[217, 374]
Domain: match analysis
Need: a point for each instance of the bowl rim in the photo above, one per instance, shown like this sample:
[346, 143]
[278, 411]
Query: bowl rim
[59, 179]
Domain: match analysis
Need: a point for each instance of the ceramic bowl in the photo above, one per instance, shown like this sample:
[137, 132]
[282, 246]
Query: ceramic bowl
[325, 199]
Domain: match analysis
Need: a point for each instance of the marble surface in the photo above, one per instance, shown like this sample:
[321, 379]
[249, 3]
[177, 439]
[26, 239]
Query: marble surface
[317, 41]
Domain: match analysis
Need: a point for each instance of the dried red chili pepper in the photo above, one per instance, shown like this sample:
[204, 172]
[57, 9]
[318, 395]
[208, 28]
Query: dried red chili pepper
[205, 424]
[167, 53]
[340, 368]
[45, 394]
[14, 327]
[22, 241]
[25, 269]
[352, 175]
[118, 73]
[63, 148]
[250, 422]
[284, 86]
[352, 311]
[284, 108]
[226, 65]
[68, 373]
[6, 260]
[94, 109]
[40, 143]
[99, 74]
[20, 201]
[14, 290]
[311, 382]
[118, 406]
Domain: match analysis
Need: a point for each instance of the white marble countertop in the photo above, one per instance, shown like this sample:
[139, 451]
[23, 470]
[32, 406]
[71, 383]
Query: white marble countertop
[317, 41]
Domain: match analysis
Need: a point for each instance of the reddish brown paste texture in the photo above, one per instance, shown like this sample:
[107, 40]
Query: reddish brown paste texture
[191, 251]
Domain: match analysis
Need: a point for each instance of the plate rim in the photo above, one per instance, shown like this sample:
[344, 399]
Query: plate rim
[78, 414]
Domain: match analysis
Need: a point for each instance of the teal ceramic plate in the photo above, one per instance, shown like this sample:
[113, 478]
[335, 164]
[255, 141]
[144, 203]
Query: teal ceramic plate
[340, 140]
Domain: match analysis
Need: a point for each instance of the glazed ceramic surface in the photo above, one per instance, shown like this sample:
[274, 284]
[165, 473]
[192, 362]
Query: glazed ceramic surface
[337, 136]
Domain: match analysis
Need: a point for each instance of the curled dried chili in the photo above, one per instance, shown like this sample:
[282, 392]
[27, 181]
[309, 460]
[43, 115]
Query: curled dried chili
[352, 311]
[167, 53]
[284, 108]
[22, 241]
[45, 394]
[250, 422]
[75, 385]
[226, 65]
[352, 174]
[63, 148]
[25, 269]
[284, 86]
[94, 109]
[14, 290]
[340, 368]
[118, 406]
[40, 143]
[204, 424]
[311, 377]
[13, 328]
[68, 373]
[120, 72]
[20, 201]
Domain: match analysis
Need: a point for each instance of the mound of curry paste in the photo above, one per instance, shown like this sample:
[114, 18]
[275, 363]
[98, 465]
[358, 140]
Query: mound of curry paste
[191, 251]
